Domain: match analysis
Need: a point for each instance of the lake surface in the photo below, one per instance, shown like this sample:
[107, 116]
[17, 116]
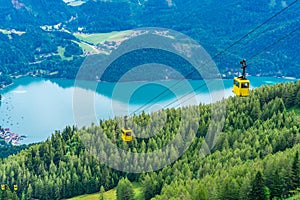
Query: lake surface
[37, 107]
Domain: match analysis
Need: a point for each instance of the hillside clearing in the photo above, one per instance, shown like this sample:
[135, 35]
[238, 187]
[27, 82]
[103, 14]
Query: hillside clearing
[74, 2]
[97, 38]
[61, 51]
[111, 194]
[296, 197]
[296, 110]
[86, 48]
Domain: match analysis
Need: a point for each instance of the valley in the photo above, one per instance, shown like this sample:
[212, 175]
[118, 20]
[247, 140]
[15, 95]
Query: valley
[144, 100]
[102, 33]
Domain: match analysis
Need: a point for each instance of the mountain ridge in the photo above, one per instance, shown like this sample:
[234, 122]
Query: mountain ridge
[213, 24]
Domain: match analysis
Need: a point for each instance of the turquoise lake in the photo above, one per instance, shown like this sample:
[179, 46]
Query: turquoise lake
[37, 107]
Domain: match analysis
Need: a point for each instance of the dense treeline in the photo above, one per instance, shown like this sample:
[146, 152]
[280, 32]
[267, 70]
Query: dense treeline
[46, 173]
[169, 65]
[262, 136]
[11, 150]
[259, 136]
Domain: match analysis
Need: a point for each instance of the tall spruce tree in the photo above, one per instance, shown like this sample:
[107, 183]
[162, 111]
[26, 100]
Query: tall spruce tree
[125, 190]
[101, 195]
[258, 188]
[295, 172]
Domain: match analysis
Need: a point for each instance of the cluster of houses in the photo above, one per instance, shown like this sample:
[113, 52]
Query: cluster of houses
[9, 138]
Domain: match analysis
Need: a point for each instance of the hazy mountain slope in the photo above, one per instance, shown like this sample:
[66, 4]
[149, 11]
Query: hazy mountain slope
[214, 24]
[25, 13]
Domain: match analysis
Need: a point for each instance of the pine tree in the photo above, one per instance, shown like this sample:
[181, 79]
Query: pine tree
[229, 189]
[14, 196]
[295, 172]
[275, 184]
[297, 99]
[256, 110]
[149, 186]
[200, 193]
[258, 188]
[125, 190]
[29, 192]
[101, 196]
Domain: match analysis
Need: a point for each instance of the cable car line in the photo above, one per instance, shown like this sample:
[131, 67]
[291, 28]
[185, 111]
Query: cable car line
[129, 133]
[176, 100]
[286, 38]
[253, 56]
[258, 34]
[146, 105]
[275, 42]
[246, 93]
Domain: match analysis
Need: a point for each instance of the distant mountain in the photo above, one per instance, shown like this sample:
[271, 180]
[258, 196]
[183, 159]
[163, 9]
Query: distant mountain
[20, 14]
[214, 24]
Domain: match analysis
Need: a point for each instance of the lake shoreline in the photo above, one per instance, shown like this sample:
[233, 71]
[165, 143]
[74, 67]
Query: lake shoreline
[13, 78]
[38, 112]
[141, 81]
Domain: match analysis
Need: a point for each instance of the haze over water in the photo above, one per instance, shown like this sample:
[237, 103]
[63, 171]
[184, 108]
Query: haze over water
[37, 107]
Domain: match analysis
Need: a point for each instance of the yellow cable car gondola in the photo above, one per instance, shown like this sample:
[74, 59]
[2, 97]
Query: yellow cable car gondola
[126, 132]
[3, 187]
[241, 84]
[15, 187]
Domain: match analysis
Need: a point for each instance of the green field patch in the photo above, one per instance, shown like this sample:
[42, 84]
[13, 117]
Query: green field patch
[296, 109]
[119, 36]
[111, 194]
[138, 191]
[97, 38]
[85, 47]
[296, 197]
[61, 51]
[88, 49]
[74, 2]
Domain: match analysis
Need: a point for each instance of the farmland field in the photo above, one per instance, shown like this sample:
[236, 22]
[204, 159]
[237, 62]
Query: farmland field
[97, 38]
[111, 194]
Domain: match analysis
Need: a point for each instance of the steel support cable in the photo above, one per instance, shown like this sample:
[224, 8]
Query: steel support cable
[253, 56]
[218, 54]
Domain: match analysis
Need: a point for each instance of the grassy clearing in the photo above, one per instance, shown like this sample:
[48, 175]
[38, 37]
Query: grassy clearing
[101, 37]
[296, 109]
[61, 51]
[76, 3]
[296, 197]
[138, 191]
[111, 194]
[85, 47]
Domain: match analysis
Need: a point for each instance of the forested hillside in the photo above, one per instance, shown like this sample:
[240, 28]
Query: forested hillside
[257, 153]
[33, 32]
[10, 150]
